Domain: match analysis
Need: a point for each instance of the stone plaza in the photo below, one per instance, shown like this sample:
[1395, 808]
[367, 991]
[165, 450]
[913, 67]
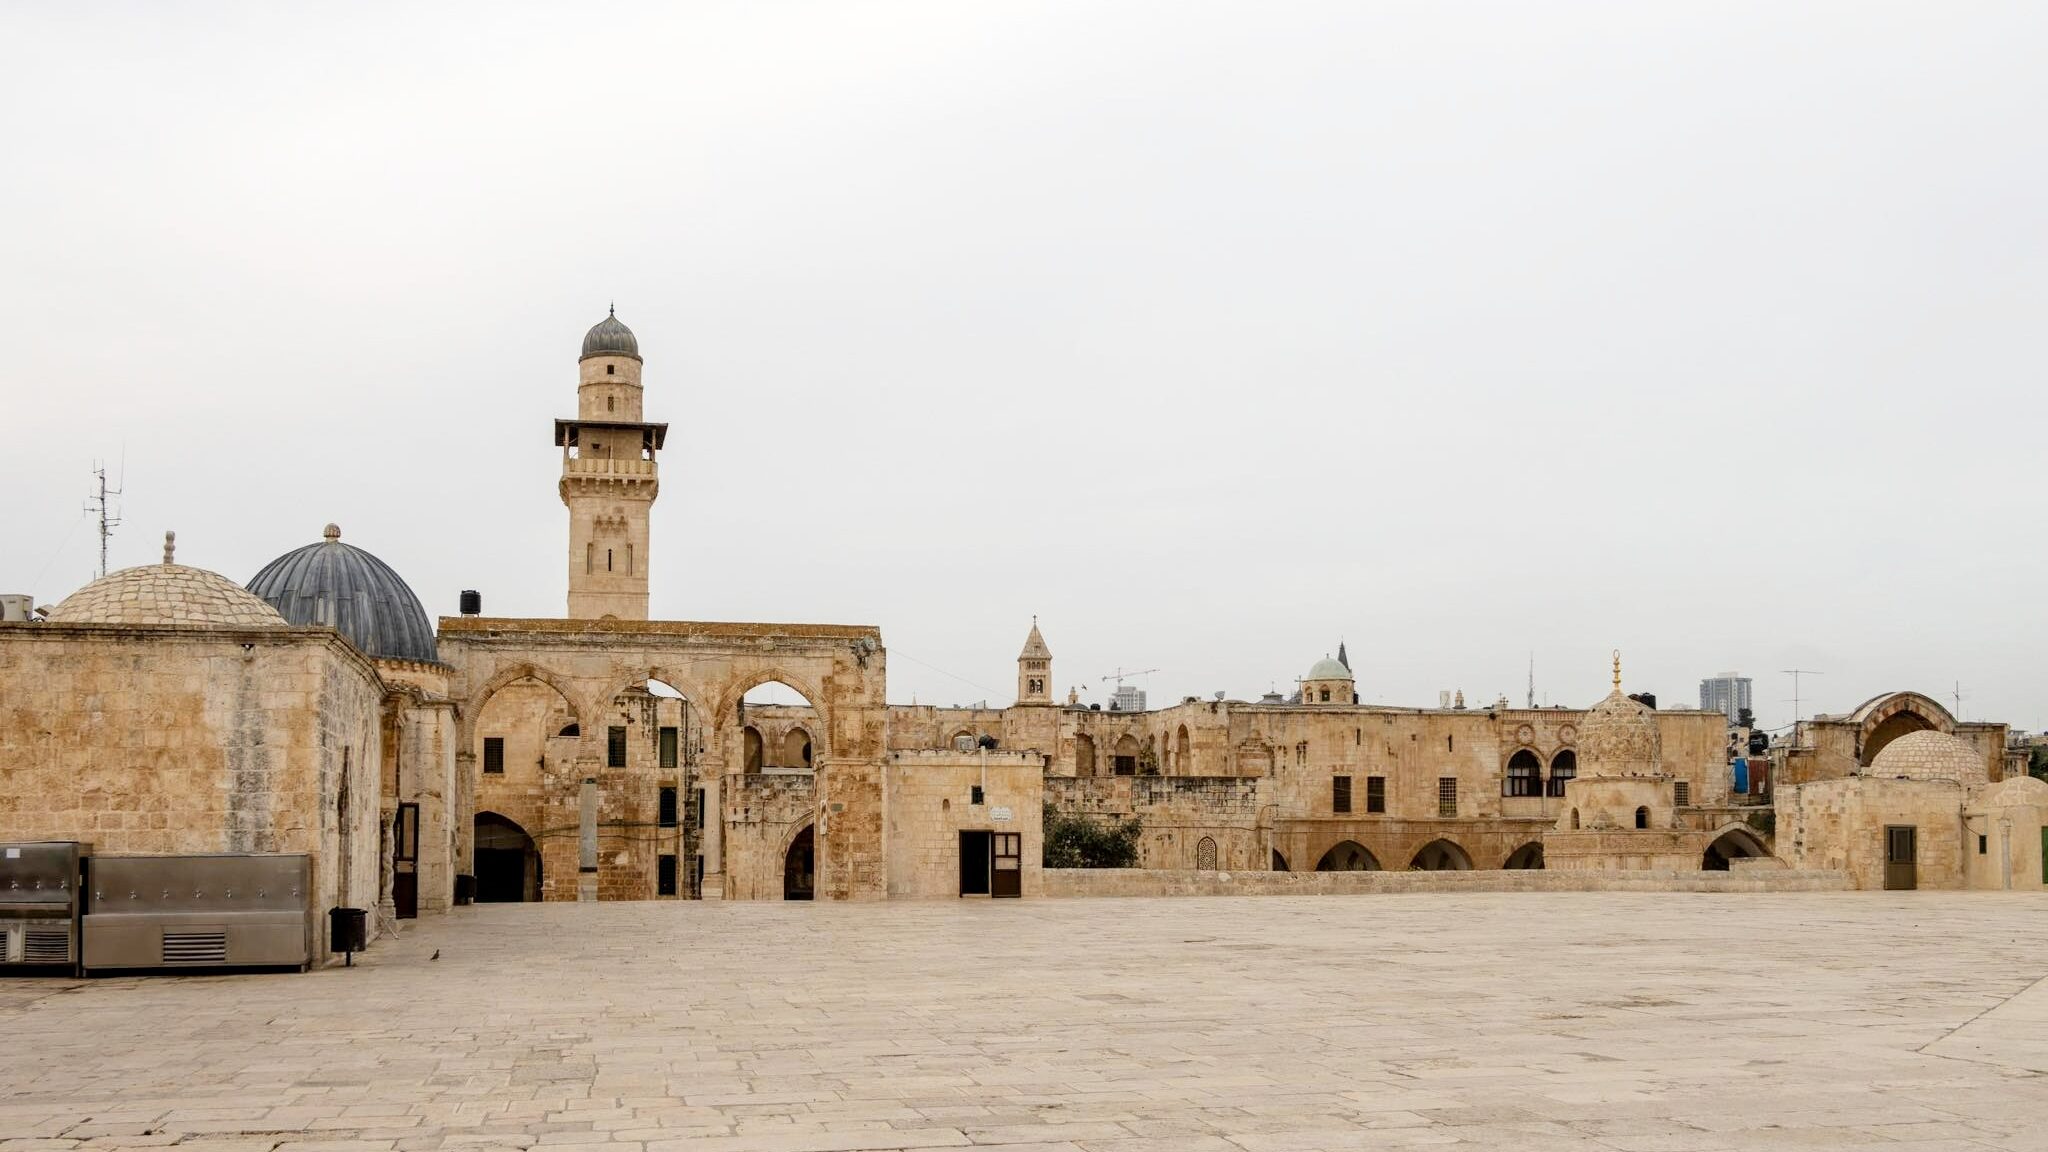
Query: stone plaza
[1644, 1022]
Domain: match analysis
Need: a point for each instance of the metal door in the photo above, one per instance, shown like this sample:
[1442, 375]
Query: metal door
[405, 862]
[974, 861]
[1901, 857]
[1008, 877]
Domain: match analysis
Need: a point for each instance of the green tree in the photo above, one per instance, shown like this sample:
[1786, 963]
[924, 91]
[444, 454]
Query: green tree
[1076, 841]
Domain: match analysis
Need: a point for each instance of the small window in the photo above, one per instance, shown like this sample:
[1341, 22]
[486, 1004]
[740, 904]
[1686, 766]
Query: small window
[1205, 854]
[1642, 817]
[665, 875]
[1340, 793]
[668, 747]
[615, 747]
[609, 404]
[1450, 743]
[1983, 844]
[668, 808]
[1375, 794]
[1325, 696]
[974, 795]
[607, 559]
[1447, 796]
[611, 369]
[1681, 793]
[494, 755]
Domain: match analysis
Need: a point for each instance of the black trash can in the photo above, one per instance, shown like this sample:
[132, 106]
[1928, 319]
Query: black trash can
[348, 931]
[465, 889]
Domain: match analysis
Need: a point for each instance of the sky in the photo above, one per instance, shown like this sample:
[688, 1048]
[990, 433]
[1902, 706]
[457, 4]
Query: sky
[1210, 334]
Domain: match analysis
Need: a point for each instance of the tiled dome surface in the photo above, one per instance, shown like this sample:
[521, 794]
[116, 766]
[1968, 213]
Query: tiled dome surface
[166, 594]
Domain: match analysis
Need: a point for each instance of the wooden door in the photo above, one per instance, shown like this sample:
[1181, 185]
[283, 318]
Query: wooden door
[405, 862]
[1008, 877]
[1901, 857]
[974, 862]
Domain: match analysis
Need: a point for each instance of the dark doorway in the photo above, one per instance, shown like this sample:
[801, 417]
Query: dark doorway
[507, 864]
[976, 850]
[1008, 878]
[797, 875]
[405, 862]
[1901, 857]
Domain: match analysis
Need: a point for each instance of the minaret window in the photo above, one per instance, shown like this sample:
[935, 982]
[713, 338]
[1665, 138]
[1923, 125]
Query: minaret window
[608, 401]
[609, 369]
[607, 559]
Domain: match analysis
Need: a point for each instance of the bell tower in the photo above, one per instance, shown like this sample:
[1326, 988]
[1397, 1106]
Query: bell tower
[609, 478]
[1034, 669]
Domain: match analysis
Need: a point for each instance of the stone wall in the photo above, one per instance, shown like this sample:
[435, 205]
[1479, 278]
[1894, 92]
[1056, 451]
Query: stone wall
[763, 814]
[1073, 882]
[1840, 824]
[170, 740]
[1177, 813]
[931, 801]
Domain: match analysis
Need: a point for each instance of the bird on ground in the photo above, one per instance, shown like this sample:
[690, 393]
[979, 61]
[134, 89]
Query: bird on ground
[436, 955]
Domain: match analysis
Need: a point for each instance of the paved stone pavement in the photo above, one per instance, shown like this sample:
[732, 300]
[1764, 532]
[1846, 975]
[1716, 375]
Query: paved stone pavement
[1595, 1021]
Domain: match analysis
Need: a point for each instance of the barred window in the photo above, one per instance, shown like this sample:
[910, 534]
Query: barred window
[1375, 794]
[494, 755]
[1447, 796]
[615, 749]
[668, 747]
[1681, 793]
[1340, 793]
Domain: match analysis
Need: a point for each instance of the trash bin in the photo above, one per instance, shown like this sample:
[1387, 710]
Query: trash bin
[348, 931]
[465, 889]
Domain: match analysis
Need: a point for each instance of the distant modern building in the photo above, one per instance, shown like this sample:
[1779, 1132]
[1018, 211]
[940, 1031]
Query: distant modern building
[1727, 694]
[1127, 698]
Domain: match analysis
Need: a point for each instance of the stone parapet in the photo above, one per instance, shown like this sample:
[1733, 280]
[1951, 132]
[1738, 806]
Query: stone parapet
[1079, 882]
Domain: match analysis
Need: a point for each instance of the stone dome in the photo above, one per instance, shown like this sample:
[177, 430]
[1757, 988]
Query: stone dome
[610, 338]
[1930, 755]
[1619, 737]
[347, 589]
[166, 594]
[1328, 669]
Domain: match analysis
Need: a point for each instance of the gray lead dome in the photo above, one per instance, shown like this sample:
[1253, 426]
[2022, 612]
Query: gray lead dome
[351, 591]
[610, 338]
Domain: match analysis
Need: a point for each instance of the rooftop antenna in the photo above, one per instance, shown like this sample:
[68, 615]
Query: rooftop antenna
[97, 503]
[1532, 677]
[1795, 674]
[1959, 699]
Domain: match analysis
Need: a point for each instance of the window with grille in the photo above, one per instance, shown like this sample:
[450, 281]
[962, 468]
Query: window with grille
[1681, 793]
[665, 875]
[668, 747]
[1205, 855]
[1564, 767]
[668, 808]
[494, 755]
[1375, 793]
[615, 747]
[1447, 796]
[1340, 793]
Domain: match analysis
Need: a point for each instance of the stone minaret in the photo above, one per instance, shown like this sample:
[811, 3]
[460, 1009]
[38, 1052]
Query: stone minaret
[1034, 669]
[609, 478]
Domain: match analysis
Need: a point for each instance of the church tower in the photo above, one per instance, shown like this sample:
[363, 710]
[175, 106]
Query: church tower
[609, 478]
[1034, 669]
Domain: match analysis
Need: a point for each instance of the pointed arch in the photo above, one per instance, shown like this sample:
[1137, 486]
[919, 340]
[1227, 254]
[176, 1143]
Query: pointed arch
[1441, 856]
[1348, 856]
[1528, 856]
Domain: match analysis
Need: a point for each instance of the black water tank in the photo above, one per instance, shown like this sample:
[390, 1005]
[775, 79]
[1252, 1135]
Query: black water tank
[472, 602]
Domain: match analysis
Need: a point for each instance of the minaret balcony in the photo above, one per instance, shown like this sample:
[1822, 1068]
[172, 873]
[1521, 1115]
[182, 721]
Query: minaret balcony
[605, 466]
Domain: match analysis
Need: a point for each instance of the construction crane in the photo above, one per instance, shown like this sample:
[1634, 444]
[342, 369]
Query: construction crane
[1120, 675]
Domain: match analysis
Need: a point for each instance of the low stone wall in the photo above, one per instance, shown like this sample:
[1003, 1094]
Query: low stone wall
[1163, 882]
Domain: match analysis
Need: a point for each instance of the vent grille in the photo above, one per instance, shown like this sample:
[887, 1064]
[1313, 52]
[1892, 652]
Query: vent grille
[47, 946]
[208, 947]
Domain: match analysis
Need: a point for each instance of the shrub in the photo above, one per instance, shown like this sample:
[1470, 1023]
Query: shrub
[1075, 841]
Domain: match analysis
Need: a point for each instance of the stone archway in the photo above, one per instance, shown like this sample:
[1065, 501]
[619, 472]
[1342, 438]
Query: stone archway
[1348, 856]
[1735, 842]
[508, 864]
[799, 866]
[1441, 856]
[1528, 856]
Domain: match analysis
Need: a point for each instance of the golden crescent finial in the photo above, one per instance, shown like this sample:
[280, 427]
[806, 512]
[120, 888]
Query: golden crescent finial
[1617, 669]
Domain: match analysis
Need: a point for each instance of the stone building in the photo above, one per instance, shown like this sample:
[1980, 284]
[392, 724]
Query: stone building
[605, 755]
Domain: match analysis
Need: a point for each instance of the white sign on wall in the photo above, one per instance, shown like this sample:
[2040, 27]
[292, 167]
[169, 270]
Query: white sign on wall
[1001, 815]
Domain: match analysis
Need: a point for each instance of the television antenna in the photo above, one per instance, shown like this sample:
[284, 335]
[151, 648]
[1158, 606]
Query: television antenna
[97, 503]
[1796, 673]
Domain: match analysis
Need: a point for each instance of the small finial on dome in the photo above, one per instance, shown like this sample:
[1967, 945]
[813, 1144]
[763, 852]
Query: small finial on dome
[170, 546]
[331, 533]
[612, 309]
[1617, 669]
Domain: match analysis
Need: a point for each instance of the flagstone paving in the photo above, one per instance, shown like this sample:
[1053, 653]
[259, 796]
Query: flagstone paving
[1594, 1021]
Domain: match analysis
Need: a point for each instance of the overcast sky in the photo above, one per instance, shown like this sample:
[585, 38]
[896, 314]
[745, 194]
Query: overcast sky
[1209, 333]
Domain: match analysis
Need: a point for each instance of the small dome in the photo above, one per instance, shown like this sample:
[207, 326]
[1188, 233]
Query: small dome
[1619, 737]
[345, 588]
[1328, 669]
[1930, 755]
[610, 338]
[166, 594]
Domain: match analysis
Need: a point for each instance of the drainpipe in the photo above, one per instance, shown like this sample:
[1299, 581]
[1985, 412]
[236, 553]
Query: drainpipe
[586, 871]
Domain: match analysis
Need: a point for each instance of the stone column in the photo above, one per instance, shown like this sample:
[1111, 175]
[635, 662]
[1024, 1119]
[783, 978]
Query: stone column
[586, 855]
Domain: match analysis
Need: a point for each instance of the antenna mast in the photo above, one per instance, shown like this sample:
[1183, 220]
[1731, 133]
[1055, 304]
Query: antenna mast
[1795, 674]
[96, 503]
[1532, 678]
